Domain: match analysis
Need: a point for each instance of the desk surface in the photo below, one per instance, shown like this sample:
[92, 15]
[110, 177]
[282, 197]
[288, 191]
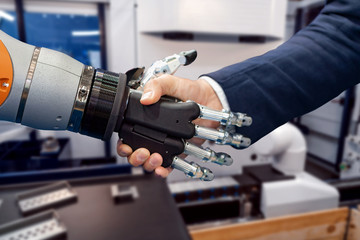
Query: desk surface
[95, 216]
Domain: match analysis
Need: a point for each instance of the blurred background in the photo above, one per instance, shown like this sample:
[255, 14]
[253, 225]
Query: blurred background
[121, 34]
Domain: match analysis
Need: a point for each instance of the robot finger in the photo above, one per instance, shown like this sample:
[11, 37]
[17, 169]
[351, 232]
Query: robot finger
[225, 117]
[208, 155]
[222, 137]
[168, 65]
[192, 169]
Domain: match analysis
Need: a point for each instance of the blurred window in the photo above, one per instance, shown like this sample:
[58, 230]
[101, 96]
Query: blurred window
[71, 28]
[8, 21]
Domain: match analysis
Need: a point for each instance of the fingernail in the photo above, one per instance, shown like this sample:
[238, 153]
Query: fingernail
[157, 174]
[123, 154]
[147, 95]
[141, 156]
[154, 162]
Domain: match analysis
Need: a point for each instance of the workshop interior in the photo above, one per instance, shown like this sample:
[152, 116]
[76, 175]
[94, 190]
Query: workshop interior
[72, 72]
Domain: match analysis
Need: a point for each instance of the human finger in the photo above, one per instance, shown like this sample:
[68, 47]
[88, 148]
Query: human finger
[166, 85]
[155, 160]
[139, 157]
[163, 172]
[123, 150]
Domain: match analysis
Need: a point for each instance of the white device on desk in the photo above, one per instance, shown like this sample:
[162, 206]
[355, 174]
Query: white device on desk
[286, 146]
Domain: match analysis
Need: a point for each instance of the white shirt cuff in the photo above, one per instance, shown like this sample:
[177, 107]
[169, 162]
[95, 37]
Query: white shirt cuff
[218, 90]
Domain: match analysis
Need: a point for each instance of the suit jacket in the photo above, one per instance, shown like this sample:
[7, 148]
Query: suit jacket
[314, 66]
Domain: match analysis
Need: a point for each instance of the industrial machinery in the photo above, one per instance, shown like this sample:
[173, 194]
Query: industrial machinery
[286, 147]
[45, 89]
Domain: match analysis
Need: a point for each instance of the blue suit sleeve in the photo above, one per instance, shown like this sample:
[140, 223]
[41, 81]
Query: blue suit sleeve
[314, 66]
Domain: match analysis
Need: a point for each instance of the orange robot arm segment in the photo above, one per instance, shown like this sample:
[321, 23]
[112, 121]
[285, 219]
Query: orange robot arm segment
[6, 73]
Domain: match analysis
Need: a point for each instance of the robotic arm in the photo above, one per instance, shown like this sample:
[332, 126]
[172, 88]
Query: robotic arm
[49, 90]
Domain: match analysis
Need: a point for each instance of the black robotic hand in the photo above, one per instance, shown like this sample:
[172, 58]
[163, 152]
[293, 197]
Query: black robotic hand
[165, 126]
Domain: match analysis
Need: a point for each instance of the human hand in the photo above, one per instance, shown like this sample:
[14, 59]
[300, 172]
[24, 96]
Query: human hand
[184, 89]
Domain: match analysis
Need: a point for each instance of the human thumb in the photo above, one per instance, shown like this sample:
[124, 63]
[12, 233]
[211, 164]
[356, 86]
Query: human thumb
[153, 91]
